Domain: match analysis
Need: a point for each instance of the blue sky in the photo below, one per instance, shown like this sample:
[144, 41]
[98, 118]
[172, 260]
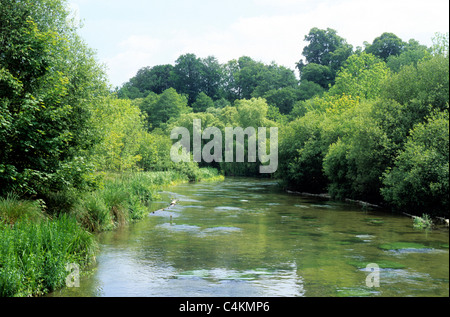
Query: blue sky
[132, 34]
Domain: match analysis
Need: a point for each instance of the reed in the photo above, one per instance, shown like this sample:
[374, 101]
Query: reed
[33, 256]
[13, 209]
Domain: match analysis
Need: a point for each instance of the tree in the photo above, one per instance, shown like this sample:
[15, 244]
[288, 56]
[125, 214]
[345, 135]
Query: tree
[420, 89]
[187, 76]
[121, 125]
[318, 74]
[361, 75]
[49, 81]
[411, 55]
[355, 163]
[309, 89]
[325, 48]
[212, 77]
[202, 103]
[419, 181]
[273, 77]
[161, 108]
[283, 98]
[387, 44]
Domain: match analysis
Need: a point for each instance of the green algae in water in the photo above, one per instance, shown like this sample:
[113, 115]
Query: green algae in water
[383, 264]
[402, 246]
[375, 221]
[354, 292]
[350, 241]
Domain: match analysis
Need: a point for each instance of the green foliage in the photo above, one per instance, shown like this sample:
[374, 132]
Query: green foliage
[421, 89]
[13, 210]
[33, 256]
[202, 103]
[423, 222]
[355, 163]
[301, 154]
[121, 126]
[325, 53]
[48, 80]
[160, 108]
[155, 79]
[386, 45]
[319, 74]
[419, 179]
[361, 75]
[411, 55]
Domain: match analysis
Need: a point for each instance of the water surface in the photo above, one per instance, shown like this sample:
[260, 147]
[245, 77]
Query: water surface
[244, 237]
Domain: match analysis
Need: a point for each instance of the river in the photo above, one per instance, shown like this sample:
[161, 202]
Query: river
[247, 238]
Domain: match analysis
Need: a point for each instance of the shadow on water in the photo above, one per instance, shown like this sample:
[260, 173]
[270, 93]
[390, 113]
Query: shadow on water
[245, 237]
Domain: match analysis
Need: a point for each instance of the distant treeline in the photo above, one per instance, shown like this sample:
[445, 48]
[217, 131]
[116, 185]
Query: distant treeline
[367, 123]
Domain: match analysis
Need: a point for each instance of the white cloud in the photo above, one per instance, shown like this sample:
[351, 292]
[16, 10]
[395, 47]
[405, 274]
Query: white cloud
[136, 51]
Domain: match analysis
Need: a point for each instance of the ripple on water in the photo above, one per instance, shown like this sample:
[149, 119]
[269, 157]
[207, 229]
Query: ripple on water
[182, 228]
[221, 230]
[227, 208]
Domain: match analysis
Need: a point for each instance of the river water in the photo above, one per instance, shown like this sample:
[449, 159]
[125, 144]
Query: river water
[245, 237]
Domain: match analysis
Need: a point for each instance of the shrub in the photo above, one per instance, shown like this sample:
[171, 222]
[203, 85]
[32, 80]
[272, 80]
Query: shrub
[419, 180]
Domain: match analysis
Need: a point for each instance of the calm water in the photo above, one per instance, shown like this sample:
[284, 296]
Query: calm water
[244, 237]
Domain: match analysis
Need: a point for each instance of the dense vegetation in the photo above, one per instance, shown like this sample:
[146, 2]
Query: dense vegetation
[367, 123]
[77, 158]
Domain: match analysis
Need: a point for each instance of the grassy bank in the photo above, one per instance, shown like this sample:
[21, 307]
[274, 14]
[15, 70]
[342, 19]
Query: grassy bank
[39, 238]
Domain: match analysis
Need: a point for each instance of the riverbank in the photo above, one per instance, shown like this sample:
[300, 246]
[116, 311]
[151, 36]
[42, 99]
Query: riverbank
[39, 238]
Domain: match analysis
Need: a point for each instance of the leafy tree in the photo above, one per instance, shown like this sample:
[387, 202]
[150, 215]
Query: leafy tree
[121, 125]
[411, 55]
[301, 155]
[161, 108]
[325, 48]
[188, 76]
[283, 98]
[148, 79]
[212, 77]
[419, 180]
[49, 81]
[387, 44]
[202, 103]
[247, 76]
[318, 74]
[355, 163]
[273, 77]
[421, 89]
[309, 89]
[361, 76]
[440, 44]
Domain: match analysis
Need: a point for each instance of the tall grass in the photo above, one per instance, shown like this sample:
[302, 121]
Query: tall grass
[122, 198]
[12, 209]
[33, 256]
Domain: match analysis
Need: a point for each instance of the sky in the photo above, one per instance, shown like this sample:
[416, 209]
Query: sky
[130, 34]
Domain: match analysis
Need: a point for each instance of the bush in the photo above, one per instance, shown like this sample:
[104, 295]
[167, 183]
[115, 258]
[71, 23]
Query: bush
[419, 180]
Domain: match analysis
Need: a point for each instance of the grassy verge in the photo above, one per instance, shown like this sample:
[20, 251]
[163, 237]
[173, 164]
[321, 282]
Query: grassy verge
[39, 238]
